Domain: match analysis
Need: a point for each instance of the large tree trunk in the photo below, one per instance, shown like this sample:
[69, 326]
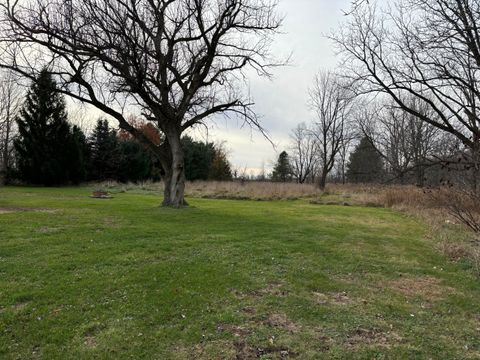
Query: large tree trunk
[174, 193]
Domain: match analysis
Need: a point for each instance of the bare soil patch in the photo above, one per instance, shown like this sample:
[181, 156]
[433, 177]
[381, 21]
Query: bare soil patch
[283, 322]
[90, 342]
[372, 337]
[236, 330]
[249, 310]
[273, 289]
[245, 351]
[340, 298]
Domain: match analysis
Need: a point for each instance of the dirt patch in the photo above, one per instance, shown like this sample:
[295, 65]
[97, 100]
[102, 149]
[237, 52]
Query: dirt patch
[372, 337]
[246, 352]
[249, 310]
[90, 341]
[273, 289]
[340, 298]
[11, 210]
[283, 322]
[236, 330]
[427, 287]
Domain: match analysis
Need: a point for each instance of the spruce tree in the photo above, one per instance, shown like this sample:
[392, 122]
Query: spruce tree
[283, 170]
[198, 158]
[49, 152]
[136, 162]
[365, 165]
[105, 152]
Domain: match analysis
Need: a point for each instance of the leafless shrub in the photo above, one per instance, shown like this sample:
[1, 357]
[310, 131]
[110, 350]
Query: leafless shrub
[463, 205]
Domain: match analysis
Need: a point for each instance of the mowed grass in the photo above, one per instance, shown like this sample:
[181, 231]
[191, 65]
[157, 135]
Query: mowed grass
[82, 278]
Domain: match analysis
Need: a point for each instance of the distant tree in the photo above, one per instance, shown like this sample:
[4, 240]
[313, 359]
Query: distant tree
[198, 158]
[282, 170]
[366, 165]
[78, 151]
[332, 102]
[407, 144]
[10, 96]
[304, 153]
[105, 152]
[48, 148]
[220, 169]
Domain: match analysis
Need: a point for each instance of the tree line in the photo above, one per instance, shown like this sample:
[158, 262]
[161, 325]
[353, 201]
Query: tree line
[407, 89]
[407, 94]
[40, 146]
[360, 139]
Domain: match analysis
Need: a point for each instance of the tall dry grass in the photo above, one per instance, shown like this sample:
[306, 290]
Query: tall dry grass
[252, 190]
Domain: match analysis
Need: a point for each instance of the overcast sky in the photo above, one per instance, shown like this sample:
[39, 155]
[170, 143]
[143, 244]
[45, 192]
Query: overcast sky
[282, 102]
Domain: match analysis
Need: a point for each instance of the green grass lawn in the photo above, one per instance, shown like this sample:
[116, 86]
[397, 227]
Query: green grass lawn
[82, 278]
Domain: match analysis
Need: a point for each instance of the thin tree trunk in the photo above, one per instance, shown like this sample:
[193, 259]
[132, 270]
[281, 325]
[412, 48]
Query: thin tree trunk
[476, 166]
[5, 156]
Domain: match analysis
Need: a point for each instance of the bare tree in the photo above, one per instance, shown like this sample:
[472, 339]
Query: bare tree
[425, 49]
[407, 144]
[177, 62]
[332, 103]
[345, 149]
[303, 154]
[10, 96]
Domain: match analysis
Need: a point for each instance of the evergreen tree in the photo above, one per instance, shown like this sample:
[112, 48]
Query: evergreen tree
[220, 169]
[198, 158]
[49, 151]
[136, 162]
[282, 171]
[105, 152]
[365, 165]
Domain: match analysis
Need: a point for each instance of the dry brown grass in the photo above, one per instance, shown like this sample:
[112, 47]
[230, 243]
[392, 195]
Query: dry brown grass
[427, 287]
[252, 190]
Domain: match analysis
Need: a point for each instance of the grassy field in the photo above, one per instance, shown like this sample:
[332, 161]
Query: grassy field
[83, 278]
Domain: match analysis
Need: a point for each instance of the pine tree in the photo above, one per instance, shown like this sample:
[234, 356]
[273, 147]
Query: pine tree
[198, 158]
[282, 171]
[136, 162]
[365, 165]
[49, 151]
[105, 152]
